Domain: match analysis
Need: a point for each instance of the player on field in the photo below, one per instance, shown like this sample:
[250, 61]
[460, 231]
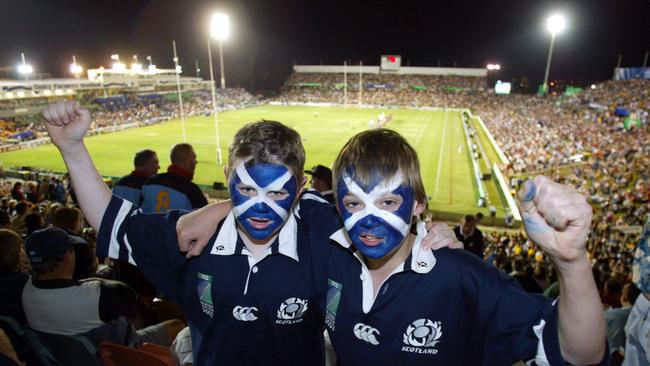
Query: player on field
[389, 301]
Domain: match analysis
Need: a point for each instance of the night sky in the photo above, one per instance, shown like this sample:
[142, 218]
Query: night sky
[268, 36]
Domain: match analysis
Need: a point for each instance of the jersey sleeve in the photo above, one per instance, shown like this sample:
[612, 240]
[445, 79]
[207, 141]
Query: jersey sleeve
[147, 241]
[317, 214]
[519, 325]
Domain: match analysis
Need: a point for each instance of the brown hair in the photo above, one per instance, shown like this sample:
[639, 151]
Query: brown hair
[268, 142]
[68, 218]
[380, 152]
[10, 244]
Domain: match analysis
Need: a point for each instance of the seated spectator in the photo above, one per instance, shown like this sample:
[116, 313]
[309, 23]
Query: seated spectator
[471, 237]
[70, 220]
[12, 280]
[33, 222]
[5, 220]
[18, 221]
[56, 303]
[617, 318]
[17, 192]
[526, 281]
[611, 295]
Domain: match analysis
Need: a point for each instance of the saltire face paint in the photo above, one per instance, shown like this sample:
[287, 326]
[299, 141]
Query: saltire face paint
[374, 231]
[254, 207]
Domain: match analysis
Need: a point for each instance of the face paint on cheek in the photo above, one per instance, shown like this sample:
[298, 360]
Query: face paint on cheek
[258, 213]
[374, 231]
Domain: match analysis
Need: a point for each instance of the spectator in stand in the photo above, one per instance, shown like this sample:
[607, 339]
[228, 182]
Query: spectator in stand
[17, 192]
[145, 165]
[70, 220]
[174, 189]
[321, 181]
[13, 276]
[100, 307]
[5, 220]
[612, 291]
[616, 318]
[520, 273]
[57, 191]
[471, 237]
[44, 189]
[33, 222]
[18, 220]
[637, 329]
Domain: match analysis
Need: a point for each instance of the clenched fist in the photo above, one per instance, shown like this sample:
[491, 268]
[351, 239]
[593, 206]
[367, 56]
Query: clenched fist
[67, 123]
[556, 217]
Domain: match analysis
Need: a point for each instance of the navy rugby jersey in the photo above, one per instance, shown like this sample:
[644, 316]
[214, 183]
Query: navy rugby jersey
[241, 311]
[437, 308]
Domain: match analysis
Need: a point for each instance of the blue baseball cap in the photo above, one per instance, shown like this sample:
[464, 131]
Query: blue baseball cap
[47, 244]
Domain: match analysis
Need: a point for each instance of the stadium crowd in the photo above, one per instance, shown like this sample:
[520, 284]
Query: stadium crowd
[578, 140]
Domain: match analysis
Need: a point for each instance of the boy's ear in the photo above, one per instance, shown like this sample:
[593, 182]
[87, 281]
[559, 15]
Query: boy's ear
[418, 209]
[302, 185]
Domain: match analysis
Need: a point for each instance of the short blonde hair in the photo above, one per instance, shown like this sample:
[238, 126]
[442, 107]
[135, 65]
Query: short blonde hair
[380, 151]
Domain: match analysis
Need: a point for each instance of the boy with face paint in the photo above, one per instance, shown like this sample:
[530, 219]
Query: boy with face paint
[251, 300]
[389, 301]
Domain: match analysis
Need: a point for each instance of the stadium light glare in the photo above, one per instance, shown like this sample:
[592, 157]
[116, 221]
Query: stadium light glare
[135, 67]
[119, 67]
[47, 92]
[58, 92]
[555, 24]
[69, 91]
[593, 86]
[497, 67]
[152, 69]
[76, 69]
[220, 26]
[9, 95]
[21, 94]
[25, 69]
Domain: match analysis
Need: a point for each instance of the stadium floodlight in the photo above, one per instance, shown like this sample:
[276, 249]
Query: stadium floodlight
[593, 86]
[152, 69]
[58, 92]
[220, 26]
[135, 67]
[75, 68]
[220, 30]
[497, 67]
[24, 68]
[21, 94]
[555, 24]
[9, 95]
[47, 92]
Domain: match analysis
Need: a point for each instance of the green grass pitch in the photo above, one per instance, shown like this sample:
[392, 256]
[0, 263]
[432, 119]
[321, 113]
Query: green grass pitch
[437, 136]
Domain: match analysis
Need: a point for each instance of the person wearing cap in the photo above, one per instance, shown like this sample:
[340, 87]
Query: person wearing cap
[56, 303]
[321, 181]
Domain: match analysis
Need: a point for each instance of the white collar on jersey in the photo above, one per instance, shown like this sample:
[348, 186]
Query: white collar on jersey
[226, 241]
[422, 261]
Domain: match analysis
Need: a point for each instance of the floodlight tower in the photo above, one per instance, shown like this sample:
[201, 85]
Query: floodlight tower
[25, 68]
[555, 24]
[220, 30]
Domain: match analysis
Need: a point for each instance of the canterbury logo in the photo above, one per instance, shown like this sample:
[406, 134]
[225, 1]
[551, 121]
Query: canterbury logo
[366, 333]
[292, 308]
[244, 314]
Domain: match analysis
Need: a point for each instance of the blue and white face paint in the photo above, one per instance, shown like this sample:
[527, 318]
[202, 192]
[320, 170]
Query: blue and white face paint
[262, 196]
[374, 230]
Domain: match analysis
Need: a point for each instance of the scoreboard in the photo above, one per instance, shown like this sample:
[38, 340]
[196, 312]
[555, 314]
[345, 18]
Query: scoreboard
[391, 62]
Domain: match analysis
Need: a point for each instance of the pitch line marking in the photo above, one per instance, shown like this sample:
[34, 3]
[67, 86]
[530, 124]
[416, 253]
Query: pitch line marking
[426, 126]
[442, 146]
